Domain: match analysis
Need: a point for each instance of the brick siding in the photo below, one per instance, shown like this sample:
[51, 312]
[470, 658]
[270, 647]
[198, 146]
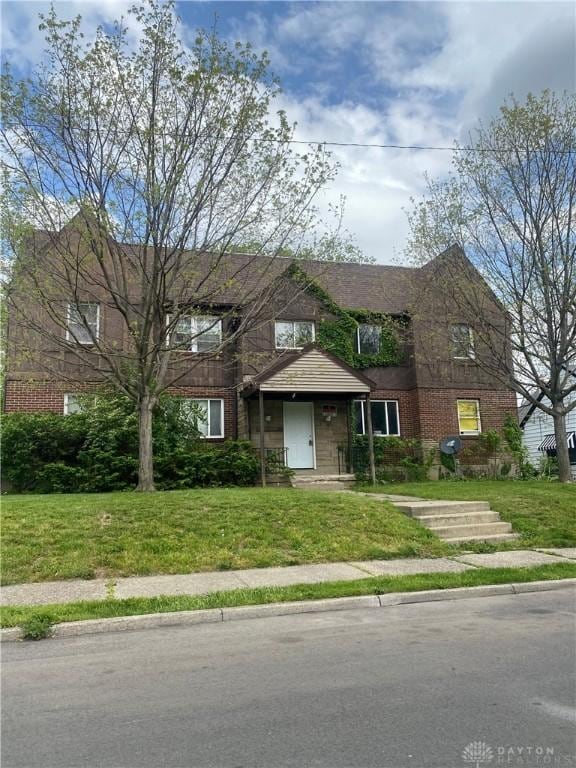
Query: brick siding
[429, 414]
[407, 409]
[438, 411]
[48, 396]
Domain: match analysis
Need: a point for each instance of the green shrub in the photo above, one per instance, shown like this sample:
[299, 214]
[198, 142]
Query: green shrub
[32, 440]
[97, 450]
[57, 477]
[448, 461]
[37, 626]
[234, 462]
[396, 459]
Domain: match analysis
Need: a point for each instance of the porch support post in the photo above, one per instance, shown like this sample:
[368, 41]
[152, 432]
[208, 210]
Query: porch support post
[368, 419]
[262, 456]
[350, 427]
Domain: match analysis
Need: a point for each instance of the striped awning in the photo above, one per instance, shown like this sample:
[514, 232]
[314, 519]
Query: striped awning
[549, 442]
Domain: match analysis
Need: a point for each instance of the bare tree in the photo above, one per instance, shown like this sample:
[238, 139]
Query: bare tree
[509, 204]
[170, 157]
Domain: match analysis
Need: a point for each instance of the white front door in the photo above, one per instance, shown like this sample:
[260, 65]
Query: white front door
[299, 435]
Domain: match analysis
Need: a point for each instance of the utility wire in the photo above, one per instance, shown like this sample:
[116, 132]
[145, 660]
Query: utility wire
[262, 139]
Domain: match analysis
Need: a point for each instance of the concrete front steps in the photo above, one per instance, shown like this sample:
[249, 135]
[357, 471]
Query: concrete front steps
[310, 482]
[459, 521]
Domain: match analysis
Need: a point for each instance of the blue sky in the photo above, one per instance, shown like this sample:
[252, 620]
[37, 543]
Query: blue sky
[372, 72]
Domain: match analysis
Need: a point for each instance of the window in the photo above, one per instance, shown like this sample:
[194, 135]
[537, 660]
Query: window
[293, 334]
[83, 322]
[469, 417]
[72, 404]
[385, 419]
[368, 338]
[198, 333]
[462, 342]
[208, 416]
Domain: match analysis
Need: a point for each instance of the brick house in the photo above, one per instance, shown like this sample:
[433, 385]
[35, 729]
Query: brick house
[287, 384]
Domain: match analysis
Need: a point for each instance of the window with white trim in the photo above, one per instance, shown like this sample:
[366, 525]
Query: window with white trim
[76, 403]
[83, 322]
[208, 416]
[72, 404]
[198, 333]
[462, 342]
[385, 418]
[469, 417]
[368, 339]
[293, 334]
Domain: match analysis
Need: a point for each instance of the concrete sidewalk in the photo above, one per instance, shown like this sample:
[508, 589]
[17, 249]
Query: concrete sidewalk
[43, 593]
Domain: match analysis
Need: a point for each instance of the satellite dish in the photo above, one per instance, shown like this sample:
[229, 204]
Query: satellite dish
[450, 445]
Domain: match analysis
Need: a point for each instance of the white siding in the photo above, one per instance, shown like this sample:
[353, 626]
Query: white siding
[314, 371]
[538, 426]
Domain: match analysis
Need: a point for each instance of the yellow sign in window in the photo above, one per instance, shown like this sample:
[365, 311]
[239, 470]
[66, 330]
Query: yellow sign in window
[469, 417]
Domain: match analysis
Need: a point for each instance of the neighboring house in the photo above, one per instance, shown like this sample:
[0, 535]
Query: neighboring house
[286, 377]
[538, 432]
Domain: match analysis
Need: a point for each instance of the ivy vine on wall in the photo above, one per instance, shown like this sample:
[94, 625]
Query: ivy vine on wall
[338, 336]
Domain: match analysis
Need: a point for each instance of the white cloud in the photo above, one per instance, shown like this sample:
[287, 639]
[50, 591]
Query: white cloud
[377, 183]
[410, 73]
[441, 67]
[23, 44]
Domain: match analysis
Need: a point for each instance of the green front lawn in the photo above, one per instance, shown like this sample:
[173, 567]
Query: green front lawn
[122, 534]
[544, 513]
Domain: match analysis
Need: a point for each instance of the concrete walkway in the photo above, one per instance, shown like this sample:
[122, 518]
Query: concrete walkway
[47, 592]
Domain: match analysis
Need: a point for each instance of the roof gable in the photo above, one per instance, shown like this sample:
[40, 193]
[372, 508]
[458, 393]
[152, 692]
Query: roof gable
[311, 370]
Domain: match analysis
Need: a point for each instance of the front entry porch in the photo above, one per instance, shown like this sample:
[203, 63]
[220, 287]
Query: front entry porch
[298, 414]
[309, 436]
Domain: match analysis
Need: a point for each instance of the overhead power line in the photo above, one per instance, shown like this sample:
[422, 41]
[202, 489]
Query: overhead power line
[324, 143]
[381, 146]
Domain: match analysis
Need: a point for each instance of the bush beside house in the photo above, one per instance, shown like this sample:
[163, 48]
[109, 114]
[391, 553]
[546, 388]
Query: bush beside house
[97, 450]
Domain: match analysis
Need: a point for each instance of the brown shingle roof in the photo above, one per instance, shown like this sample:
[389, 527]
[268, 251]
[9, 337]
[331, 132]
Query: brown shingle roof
[376, 287]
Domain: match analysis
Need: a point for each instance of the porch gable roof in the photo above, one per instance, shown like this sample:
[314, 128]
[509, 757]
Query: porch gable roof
[311, 369]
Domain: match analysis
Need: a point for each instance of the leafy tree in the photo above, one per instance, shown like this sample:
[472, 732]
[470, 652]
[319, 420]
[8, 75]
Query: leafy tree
[172, 149]
[509, 203]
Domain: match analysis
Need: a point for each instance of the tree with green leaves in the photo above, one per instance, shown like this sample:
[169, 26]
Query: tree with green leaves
[170, 158]
[510, 204]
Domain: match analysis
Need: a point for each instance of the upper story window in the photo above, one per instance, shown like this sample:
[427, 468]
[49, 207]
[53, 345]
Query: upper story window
[195, 333]
[385, 419]
[293, 334]
[368, 339]
[208, 416]
[83, 322]
[462, 341]
[469, 417]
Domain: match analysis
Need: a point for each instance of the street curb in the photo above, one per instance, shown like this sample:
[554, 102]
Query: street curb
[220, 615]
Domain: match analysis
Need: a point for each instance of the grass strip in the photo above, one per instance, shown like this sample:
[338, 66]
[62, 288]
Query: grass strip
[13, 616]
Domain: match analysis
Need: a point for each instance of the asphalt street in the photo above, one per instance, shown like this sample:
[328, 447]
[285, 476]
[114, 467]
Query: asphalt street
[478, 682]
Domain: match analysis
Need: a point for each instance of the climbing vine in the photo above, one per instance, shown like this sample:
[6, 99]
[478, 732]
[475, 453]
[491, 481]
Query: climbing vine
[338, 336]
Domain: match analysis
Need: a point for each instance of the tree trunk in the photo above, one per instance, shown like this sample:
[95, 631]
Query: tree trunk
[562, 447]
[145, 455]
